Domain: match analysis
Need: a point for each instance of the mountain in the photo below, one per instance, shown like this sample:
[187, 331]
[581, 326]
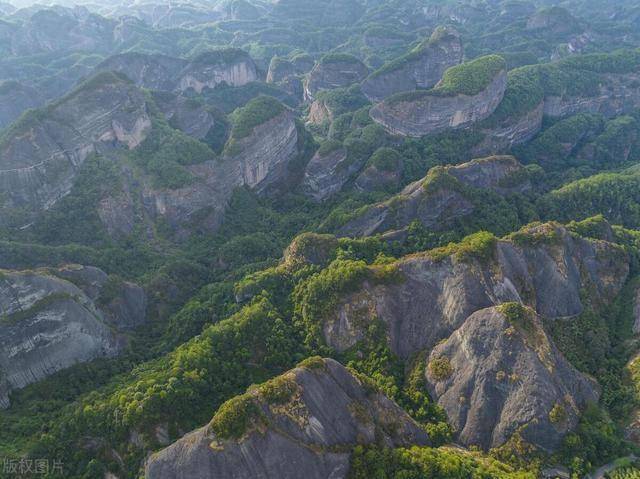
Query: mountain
[302, 422]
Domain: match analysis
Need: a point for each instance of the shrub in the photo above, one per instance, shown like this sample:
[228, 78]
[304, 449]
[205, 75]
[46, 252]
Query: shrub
[440, 368]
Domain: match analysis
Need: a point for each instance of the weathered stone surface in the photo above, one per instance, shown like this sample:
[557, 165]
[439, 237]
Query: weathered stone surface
[326, 174]
[310, 435]
[373, 179]
[159, 72]
[512, 132]
[334, 72]
[618, 94]
[15, 99]
[435, 202]
[503, 375]
[42, 153]
[184, 114]
[281, 69]
[423, 67]
[427, 112]
[436, 296]
[53, 319]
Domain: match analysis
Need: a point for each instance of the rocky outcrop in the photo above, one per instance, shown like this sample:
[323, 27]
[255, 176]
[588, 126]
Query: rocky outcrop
[452, 104]
[554, 21]
[40, 155]
[15, 99]
[334, 71]
[185, 114]
[500, 374]
[326, 173]
[511, 132]
[543, 266]
[53, 319]
[260, 160]
[423, 67]
[301, 424]
[440, 197]
[617, 94]
[158, 72]
[281, 69]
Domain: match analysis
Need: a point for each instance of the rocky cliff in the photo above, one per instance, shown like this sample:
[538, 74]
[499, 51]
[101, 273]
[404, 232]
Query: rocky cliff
[543, 266]
[473, 311]
[281, 69]
[500, 374]
[467, 94]
[615, 94]
[158, 72]
[423, 67]
[40, 154]
[53, 319]
[442, 196]
[333, 71]
[301, 424]
[326, 173]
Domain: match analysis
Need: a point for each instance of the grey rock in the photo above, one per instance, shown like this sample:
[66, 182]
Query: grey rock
[436, 296]
[40, 155]
[309, 436]
[159, 72]
[435, 202]
[429, 113]
[506, 376]
[330, 73]
[326, 174]
[423, 67]
[281, 69]
[618, 94]
[185, 114]
[53, 319]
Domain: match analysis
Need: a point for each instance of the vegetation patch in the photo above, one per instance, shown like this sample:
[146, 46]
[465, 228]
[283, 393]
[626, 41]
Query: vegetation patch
[258, 111]
[440, 368]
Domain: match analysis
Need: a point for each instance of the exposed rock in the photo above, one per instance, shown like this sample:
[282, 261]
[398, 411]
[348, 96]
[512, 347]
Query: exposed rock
[281, 69]
[439, 198]
[423, 67]
[159, 72]
[512, 132]
[617, 94]
[327, 173]
[553, 20]
[15, 99]
[53, 319]
[425, 112]
[185, 114]
[500, 374]
[40, 155]
[544, 267]
[334, 71]
[308, 433]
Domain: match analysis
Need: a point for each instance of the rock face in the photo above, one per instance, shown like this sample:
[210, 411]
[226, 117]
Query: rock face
[554, 20]
[440, 197]
[184, 114]
[53, 319]
[280, 69]
[308, 433]
[426, 112]
[500, 373]
[158, 72]
[263, 156]
[334, 71]
[15, 99]
[546, 271]
[514, 131]
[259, 161]
[617, 94]
[41, 154]
[326, 174]
[421, 68]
